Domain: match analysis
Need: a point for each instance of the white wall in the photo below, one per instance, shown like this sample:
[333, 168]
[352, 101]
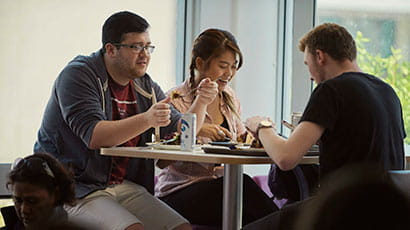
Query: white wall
[39, 37]
[254, 26]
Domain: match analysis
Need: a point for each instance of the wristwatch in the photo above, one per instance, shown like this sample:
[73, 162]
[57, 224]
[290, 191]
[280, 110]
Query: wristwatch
[263, 125]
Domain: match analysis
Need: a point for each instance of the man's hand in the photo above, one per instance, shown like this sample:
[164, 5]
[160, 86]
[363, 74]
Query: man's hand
[214, 132]
[252, 123]
[207, 91]
[159, 114]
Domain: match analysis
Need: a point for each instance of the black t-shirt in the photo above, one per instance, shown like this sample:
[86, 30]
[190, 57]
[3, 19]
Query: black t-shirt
[363, 122]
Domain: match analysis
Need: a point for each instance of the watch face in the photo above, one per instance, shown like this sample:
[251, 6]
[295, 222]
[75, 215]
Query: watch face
[266, 123]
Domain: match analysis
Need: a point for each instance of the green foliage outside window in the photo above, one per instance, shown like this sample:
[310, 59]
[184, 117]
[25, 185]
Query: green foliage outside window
[392, 69]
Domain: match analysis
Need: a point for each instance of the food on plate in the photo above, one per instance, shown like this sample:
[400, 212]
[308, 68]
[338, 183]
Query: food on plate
[176, 94]
[172, 139]
[249, 139]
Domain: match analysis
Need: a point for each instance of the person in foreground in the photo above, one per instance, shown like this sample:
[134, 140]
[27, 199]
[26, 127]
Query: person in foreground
[357, 196]
[40, 186]
[355, 116]
[105, 100]
[216, 55]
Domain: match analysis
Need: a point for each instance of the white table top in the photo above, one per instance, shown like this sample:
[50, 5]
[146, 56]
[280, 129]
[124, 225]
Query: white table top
[195, 156]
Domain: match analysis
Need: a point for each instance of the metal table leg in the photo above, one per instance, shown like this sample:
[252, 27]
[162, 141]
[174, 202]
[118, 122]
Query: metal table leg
[232, 197]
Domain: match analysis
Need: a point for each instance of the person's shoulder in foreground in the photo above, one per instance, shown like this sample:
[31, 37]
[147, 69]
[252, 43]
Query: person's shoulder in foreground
[358, 196]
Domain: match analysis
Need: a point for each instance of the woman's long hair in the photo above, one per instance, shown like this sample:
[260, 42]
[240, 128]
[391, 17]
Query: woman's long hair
[211, 44]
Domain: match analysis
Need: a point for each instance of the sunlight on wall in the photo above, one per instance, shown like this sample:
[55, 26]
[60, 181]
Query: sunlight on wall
[39, 37]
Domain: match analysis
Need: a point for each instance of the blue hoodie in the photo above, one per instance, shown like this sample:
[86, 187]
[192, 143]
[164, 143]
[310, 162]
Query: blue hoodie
[80, 99]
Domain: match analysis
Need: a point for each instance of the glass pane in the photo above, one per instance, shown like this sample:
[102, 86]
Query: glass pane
[381, 29]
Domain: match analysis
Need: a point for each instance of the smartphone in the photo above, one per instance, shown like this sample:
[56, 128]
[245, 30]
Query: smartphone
[288, 125]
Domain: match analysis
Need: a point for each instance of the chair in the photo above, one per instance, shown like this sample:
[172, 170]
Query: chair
[294, 185]
[9, 215]
[5, 194]
[302, 183]
[262, 181]
[4, 170]
[401, 178]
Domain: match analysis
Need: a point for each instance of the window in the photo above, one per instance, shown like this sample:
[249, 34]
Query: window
[248, 22]
[39, 38]
[381, 30]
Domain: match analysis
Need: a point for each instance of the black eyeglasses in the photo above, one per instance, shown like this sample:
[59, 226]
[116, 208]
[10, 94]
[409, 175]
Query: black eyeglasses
[34, 163]
[138, 48]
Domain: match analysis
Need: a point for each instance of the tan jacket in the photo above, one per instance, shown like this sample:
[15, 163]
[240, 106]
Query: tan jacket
[181, 174]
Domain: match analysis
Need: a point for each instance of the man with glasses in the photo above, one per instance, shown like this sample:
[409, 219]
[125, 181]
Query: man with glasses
[105, 100]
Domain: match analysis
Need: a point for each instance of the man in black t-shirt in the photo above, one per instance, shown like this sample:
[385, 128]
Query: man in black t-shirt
[362, 120]
[356, 117]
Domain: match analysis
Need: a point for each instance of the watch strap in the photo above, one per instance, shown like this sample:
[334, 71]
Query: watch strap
[262, 127]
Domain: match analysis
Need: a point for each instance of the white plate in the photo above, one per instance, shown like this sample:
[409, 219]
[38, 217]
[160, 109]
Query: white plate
[169, 147]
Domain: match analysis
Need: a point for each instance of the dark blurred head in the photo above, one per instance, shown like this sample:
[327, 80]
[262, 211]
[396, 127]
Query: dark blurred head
[357, 197]
[121, 23]
[332, 39]
[39, 183]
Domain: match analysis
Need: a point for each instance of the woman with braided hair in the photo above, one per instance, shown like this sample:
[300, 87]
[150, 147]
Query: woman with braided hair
[215, 55]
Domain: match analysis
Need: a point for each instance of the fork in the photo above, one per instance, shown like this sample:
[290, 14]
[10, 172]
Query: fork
[288, 125]
[173, 96]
